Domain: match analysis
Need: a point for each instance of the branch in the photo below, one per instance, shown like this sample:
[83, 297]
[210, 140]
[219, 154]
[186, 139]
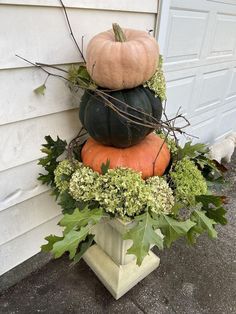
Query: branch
[158, 153]
[50, 66]
[74, 142]
[71, 32]
[38, 65]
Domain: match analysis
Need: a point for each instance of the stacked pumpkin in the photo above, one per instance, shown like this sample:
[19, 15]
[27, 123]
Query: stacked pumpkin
[121, 120]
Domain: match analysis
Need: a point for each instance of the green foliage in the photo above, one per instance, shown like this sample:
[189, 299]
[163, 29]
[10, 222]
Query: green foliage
[68, 203]
[171, 228]
[77, 228]
[198, 153]
[191, 150]
[143, 236]
[157, 82]
[105, 167]
[80, 218]
[188, 181]
[53, 149]
[83, 247]
[212, 205]
[70, 242]
[79, 76]
[51, 240]
[40, 90]
[202, 224]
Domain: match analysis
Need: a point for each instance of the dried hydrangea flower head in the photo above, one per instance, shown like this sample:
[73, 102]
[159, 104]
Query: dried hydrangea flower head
[157, 82]
[161, 195]
[63, 173]
[84, 184]
[188, 180]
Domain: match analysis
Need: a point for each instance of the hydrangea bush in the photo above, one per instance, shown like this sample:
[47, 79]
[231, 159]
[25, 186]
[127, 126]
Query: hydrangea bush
[121, 191]
[188, 181]
[156, 203]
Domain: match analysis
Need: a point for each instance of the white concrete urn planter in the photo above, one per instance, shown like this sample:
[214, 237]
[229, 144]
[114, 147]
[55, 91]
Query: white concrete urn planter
[109, 260]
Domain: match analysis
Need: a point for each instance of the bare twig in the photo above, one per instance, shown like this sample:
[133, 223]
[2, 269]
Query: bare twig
[82, 44]
[74, 142]
[42, 68]
[46, 79]
[50, 66]
[136, 120]
[71, 32]
[158, 153]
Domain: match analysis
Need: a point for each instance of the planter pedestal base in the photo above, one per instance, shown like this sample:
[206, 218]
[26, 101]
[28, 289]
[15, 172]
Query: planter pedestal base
[117, 278]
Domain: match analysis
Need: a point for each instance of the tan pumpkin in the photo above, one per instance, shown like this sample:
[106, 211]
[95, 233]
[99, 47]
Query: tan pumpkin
[122, 59]
[141, 157]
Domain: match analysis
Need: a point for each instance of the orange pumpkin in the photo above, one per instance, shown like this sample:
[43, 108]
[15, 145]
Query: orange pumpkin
[140, 157]
[122, 59]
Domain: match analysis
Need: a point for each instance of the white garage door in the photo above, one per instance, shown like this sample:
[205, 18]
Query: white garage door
[199, 39]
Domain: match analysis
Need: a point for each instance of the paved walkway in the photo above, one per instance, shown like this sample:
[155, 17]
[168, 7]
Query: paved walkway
[191, 280]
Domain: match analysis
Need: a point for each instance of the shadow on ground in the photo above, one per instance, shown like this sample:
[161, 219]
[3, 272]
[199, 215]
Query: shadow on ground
[191, 280]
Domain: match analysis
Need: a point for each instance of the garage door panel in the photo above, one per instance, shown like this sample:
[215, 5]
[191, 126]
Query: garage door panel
[185, 35]
[224, 1]
[224, 38]
[203, 126]
[227, 119]
[231, 92]
[179, 94]
[212, 87]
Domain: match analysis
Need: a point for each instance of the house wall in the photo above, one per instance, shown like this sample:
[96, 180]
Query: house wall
[37, 31]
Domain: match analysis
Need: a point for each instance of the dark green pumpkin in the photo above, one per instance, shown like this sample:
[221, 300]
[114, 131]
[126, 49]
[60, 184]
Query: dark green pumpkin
[107, 127]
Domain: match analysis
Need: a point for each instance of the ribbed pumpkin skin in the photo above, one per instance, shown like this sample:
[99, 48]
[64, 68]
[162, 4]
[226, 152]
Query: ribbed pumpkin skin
[122, 65]
[106, 126]
[139, 157]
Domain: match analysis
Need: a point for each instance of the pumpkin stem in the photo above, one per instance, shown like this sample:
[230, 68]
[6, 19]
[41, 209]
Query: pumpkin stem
[118, 32]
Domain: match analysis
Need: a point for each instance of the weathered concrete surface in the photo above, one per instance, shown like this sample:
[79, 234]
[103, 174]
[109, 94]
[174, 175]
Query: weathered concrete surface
[23, 270]
[191, 280]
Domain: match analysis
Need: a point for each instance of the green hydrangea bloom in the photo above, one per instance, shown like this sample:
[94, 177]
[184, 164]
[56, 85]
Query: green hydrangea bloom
[84, 184]
[162, 199]
[123, 192]
[157, 82]
[63, 172]
[188, 181]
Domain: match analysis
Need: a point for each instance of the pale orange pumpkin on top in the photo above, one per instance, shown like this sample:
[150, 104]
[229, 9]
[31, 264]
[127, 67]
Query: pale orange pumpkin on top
[122, 58]
[140, 157]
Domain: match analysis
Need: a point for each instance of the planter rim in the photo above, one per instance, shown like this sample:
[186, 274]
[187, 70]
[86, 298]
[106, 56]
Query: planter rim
[120, 225]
